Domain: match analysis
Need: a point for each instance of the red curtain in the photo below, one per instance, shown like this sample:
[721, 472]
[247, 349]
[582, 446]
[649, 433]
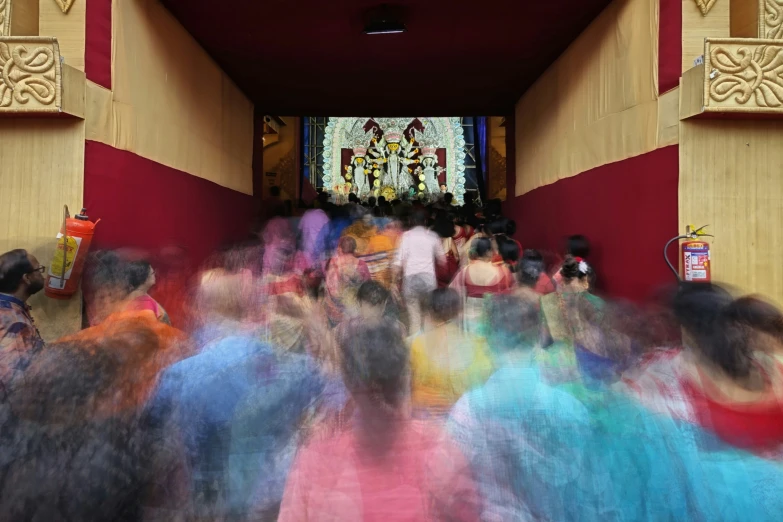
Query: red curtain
[97, 46]
[143, 204]
[669, 45]
[628, 210]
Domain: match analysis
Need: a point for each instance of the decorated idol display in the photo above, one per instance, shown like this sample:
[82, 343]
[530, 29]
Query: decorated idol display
[358, 170]
[394, 157]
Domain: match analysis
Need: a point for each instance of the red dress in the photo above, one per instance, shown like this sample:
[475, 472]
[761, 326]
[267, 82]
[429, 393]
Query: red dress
[462, 235]
[664, 386]
[755, 426]
[504, 282]
[445, 273]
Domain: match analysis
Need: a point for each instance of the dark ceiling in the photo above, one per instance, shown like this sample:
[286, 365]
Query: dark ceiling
[458, 57]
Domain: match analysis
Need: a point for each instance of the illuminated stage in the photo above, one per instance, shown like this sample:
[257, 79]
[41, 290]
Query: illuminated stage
[406, 158]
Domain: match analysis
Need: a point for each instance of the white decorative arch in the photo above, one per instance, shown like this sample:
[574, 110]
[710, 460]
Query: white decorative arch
[450, 130]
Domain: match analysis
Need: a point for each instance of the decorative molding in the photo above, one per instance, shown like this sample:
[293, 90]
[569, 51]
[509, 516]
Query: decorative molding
[65, 5]
[5, 17]
[743, 75]
[771, 19]
[30, 75]
[703, 5]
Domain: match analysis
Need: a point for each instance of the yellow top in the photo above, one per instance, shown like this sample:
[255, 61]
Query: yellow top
[446, 363]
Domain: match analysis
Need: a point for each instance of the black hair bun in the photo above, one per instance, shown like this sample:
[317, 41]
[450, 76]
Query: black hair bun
[570, 268]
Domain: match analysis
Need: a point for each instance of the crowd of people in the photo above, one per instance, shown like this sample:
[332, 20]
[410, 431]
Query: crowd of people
[387, 361]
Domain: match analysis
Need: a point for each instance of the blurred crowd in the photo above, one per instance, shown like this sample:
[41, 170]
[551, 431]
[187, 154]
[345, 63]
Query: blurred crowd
[386, 361]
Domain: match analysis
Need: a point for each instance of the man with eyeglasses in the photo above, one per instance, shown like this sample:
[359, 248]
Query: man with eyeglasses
[21, 276]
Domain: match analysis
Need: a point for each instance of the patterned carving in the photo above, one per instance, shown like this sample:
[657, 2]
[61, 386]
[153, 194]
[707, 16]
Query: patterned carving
[65, 5]
[744, 75]
[704, 6]
[286, 173]
[497, 169]
[5, 17]
[771, 19]
[30, 75]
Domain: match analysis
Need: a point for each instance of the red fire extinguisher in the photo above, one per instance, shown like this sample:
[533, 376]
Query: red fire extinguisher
[695, 261]
[694, 256]
[73, 245]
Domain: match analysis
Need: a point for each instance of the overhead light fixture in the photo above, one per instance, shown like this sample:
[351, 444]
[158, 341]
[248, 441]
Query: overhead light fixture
[384, 21]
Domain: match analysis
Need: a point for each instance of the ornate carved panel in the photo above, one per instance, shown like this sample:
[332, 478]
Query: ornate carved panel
[497, 169]
[5, 17]
[771, 19]
[30, 75]
[286, 173]
[704, 6]
[65, 5]
[743, 75]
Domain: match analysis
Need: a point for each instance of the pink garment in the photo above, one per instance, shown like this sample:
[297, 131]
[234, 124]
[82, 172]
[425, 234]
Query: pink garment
[279, 246]
[418, 252]
[310, 226]
[144, 302]
[421, 477]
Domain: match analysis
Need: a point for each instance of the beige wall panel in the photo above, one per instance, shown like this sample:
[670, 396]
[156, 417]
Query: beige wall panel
[730, 179]
[237, 129]
[42, 169]
[696, 27]
[692, 92]
[98, 113]
[69, 29]
[73, 95]
[597, 103]
[171, 103]
[669, 118]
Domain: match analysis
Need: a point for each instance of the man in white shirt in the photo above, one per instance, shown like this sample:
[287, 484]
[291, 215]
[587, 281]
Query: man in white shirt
[418, 252]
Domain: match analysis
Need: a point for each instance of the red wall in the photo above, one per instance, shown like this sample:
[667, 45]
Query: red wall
[669, 44]
[627, 209]
[146, 205]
